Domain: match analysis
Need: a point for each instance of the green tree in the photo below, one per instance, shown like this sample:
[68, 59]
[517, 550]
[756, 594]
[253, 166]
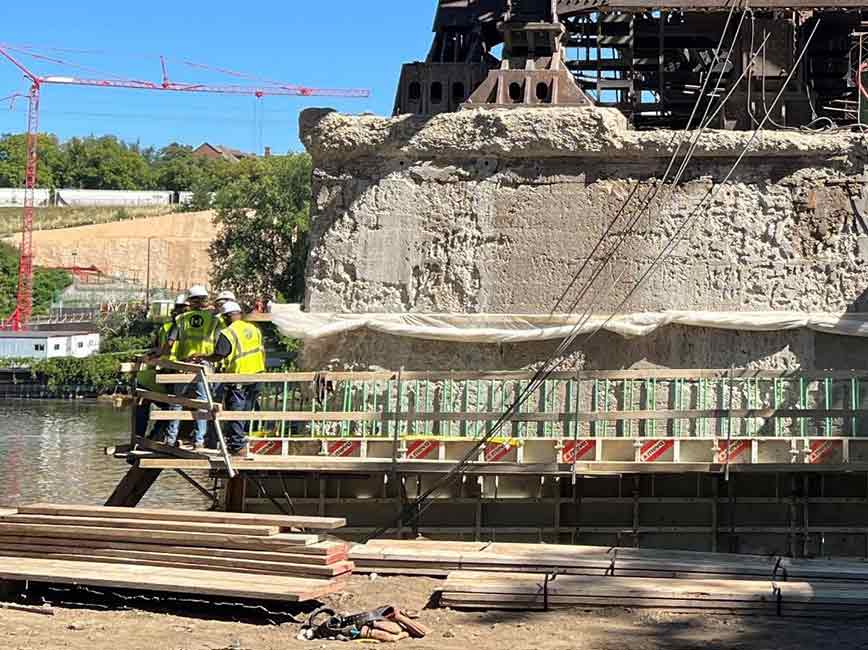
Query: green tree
[263, 214]
[13, 160]
[48, 284]
[105, 163]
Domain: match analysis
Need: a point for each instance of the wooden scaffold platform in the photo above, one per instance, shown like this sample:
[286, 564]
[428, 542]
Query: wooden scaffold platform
[741, 460]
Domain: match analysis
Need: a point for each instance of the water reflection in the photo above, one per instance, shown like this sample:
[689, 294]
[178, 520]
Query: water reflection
[53, 451]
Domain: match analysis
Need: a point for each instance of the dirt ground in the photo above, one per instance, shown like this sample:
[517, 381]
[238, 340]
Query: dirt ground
[158, 626]
[178, 250]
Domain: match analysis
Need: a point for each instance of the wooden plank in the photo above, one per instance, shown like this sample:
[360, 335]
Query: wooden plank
[162, 398]
[143, 524]
[374, 465]
[282, 541]
[144, 578]
[153, 558]
[331, 551]
[469, 416]
[5, 512]
[662, 374]
[283, 521]
[169, 450]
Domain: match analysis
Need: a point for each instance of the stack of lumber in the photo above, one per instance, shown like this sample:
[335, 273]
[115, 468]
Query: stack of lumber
[439, 559]
[535, 576]
[478, 590]
[215, 553]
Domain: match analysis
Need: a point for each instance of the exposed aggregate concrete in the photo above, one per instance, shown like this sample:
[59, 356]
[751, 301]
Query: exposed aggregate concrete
[494, 211]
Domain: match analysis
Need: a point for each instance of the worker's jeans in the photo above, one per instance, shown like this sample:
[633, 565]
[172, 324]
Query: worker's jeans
[239, 397]
[194, 390]
[143, 415]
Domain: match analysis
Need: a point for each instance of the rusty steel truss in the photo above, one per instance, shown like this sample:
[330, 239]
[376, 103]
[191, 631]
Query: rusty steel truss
[648, 59]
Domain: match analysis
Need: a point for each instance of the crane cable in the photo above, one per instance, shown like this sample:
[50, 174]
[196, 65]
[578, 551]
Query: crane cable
[417, 507]
[423, 501]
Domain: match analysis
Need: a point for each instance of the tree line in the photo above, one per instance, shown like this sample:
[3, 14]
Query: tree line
[261, 204]
[107, 163]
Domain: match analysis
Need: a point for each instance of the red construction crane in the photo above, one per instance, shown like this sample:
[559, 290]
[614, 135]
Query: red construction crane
[21, 316]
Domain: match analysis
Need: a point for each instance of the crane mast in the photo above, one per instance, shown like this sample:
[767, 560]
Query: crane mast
[20, 318]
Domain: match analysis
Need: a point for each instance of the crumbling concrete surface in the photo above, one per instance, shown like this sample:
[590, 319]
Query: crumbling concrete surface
[495, 211]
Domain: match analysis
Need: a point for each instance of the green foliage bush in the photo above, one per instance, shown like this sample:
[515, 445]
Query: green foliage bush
[48, 284]
[100, 374]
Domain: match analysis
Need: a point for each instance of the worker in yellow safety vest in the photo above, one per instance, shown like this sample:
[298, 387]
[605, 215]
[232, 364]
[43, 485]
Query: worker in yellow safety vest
[192, 339]
[239, 351]
[147, 375]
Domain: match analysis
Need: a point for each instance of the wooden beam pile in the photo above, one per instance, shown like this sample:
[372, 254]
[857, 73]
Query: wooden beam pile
[218, 553]
[477, 590]
[439, 559]
[536, 576]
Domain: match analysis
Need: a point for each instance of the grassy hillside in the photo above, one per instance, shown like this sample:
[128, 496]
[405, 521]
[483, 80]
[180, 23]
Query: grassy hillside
[54, 218]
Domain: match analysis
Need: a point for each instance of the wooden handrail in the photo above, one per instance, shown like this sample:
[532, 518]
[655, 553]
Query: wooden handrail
[466, 416]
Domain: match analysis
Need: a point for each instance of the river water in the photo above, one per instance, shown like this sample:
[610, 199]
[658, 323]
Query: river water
[53, 451]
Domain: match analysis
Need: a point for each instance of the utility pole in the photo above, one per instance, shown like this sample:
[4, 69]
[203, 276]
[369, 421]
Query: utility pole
[148, 280]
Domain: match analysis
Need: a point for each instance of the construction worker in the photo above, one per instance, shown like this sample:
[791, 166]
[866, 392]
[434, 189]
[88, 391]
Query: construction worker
[147, 375]
[223, 297]
[193, 336]
[239, 351]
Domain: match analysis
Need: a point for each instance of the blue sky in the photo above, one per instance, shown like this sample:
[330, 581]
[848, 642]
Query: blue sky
[335, 44]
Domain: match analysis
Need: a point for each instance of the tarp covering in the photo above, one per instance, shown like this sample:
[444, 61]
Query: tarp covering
[523, 328]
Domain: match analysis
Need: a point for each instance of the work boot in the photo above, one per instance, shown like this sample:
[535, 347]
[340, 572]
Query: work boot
[199, 446]
[243, 452]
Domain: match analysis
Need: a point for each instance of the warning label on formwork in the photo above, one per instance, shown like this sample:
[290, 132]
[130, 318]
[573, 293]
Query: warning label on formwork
[734, 451]
[654, 450]
[344, 448]
[422, 449]
[501, 451]
[575, 450]
[266, 447]
[825, 451]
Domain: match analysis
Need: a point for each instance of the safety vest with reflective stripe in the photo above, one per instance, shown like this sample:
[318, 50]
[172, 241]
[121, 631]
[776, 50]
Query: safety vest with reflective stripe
[248, 353]
[147, 376]
[197, 334]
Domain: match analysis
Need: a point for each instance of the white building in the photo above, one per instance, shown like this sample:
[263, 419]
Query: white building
[47, 345]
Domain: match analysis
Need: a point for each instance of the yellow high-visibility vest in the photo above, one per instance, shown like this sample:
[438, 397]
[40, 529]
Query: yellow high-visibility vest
[147, 376]
[163, 338]
[248, 353]
[197, 334]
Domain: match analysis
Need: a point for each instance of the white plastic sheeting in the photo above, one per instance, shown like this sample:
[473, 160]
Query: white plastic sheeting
[523, 328]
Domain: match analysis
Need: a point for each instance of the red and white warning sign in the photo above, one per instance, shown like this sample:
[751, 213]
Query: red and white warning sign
[734, 451]
[576, 450]
[499, 451]
[266, 447]
[344, 448]
[825, 451]
[655, 450]
[423, 449]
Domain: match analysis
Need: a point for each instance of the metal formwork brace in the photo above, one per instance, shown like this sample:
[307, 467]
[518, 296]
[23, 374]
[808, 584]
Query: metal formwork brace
[203, 377]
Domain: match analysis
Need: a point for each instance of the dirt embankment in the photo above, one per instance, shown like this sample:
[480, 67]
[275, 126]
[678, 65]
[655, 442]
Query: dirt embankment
[612, 629]
[178, 245]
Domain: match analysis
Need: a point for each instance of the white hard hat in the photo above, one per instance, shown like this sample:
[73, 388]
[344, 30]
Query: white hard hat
[198, 291]
[230, 307]
[227, 295]
[180, 300]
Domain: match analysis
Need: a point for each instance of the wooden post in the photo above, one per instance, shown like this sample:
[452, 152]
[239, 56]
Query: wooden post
[133, 487]
[236, 494]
